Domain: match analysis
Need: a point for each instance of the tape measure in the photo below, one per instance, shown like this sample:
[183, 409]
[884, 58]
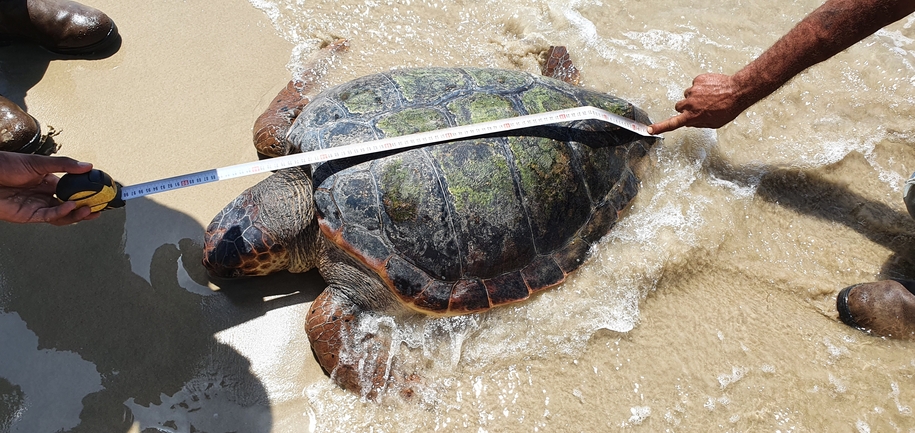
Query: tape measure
[95, 189]
[91, 189]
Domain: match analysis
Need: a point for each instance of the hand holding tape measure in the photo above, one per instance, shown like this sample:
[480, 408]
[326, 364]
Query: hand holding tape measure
[100, 192]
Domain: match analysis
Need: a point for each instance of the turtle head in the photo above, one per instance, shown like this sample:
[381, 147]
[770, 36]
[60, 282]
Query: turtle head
[268, 228]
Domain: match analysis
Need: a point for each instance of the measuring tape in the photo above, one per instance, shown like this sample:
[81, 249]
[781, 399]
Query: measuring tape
[72, 183]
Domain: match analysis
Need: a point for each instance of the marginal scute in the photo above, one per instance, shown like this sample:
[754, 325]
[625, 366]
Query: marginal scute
[468, 296]
[570, 257]
[406, 280]
[507, 288]
[542, 273]
[368, 246]
[435, 297]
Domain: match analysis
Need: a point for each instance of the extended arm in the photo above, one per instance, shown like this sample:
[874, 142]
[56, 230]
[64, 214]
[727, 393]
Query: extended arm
[716, 99]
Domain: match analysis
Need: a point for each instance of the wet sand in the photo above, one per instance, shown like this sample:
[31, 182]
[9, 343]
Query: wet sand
[709, 308]
[100, 308]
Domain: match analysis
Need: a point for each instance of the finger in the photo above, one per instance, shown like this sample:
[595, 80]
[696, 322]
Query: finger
[682, 105]
[47, 186]
[58, 164]
[669, 124]
[58, 217]
[51, 214]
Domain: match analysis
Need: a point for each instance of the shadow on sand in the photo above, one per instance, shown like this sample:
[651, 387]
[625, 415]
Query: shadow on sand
[808, 192]
[111, 322]
[119, 343]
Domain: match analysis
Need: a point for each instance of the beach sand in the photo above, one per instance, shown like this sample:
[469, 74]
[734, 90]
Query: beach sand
[179, 96]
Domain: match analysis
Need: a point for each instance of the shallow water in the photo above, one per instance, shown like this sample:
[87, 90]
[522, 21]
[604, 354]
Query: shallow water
[710, 306]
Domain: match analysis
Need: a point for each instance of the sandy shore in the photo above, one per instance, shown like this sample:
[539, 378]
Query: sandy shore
[179, 96]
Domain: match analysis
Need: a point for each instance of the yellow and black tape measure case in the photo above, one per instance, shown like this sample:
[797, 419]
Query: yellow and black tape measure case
[95, 189]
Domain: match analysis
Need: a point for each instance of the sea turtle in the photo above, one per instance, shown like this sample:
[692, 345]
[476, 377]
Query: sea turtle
[446, 229]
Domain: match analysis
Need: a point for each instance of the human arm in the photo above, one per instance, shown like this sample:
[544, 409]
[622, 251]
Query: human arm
[27, 185]
[715, 99]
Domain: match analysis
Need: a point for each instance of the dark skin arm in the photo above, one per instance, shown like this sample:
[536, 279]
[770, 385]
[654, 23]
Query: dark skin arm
[27, 185]
[715, 99]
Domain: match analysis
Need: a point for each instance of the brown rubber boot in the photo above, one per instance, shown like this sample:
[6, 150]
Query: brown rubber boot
[19, 132]
[60, 26]
[884, 308]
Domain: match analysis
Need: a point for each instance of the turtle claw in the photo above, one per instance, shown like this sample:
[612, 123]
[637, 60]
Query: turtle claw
[271, 127]
[559, 65]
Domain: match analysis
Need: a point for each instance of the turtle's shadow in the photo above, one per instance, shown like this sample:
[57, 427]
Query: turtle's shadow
[278, 290]
[808, 192]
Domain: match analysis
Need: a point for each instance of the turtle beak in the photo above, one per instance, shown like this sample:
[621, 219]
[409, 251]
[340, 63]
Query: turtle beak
[236, 244]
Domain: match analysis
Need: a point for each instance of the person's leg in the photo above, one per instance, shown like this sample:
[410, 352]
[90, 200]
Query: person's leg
[908, 195]
[19, 132]
[60, 26]
[884, 308]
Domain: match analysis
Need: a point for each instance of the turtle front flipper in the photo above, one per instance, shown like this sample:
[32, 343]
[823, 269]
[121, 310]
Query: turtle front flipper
[271, 127]
[269, 227]
[355, 359]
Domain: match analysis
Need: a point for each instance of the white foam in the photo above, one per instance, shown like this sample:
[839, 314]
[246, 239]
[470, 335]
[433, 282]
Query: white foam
[639, 414]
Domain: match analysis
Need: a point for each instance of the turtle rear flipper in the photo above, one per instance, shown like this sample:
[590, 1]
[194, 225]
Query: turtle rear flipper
[355, 359]
[270, 127]
[559, 65]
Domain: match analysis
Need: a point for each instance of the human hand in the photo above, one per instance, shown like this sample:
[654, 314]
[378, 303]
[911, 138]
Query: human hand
[27, 185]
[712, 102]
